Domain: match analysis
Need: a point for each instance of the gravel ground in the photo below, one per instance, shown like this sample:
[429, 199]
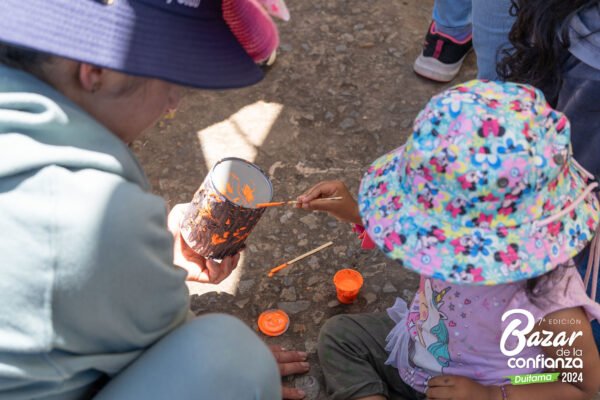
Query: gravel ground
[341, 93]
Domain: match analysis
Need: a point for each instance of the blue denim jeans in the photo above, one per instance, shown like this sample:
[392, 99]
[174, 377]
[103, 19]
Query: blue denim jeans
[211, 357]
[490, 22]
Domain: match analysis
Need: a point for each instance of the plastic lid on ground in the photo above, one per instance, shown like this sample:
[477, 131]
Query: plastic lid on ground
[273, 322]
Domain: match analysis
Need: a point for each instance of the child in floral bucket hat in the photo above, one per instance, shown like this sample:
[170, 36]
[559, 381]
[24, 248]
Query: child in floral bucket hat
[486, 203]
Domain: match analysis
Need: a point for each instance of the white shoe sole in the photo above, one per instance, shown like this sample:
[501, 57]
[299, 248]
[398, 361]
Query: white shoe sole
[431, 68]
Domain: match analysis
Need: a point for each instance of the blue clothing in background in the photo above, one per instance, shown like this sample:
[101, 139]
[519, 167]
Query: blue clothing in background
[490, 22]
[579, 98]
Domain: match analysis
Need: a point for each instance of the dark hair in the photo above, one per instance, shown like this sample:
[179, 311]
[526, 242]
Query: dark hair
[23, 59]
[539, 287]
[540, 41]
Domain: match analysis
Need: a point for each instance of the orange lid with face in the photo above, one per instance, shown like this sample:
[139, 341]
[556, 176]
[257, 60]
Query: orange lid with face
[273, 322]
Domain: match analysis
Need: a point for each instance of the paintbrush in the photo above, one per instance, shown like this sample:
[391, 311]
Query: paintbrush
[287, 264]
[282, 203]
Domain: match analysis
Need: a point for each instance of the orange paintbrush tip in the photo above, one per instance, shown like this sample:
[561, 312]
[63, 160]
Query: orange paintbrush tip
[274, 204]
[277, 269]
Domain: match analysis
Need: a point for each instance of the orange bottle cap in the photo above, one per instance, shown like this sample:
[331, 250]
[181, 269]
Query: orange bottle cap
[273, 322]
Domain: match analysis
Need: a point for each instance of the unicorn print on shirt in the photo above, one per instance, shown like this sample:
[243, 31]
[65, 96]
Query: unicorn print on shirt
[429, 349]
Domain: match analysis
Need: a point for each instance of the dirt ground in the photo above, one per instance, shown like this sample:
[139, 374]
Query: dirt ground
[341, 93]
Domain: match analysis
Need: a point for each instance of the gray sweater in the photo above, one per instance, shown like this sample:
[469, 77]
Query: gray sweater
[86, 275]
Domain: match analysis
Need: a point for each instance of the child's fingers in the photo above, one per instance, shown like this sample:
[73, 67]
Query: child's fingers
[317, 205]
[321, 189]
[439, 393]
[292, 393]
[442, 380]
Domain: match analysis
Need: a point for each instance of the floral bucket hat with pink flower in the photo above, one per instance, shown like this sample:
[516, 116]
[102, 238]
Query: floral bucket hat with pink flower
[485, 191]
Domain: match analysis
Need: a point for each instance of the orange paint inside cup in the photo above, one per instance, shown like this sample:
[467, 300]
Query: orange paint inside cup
[347, 285]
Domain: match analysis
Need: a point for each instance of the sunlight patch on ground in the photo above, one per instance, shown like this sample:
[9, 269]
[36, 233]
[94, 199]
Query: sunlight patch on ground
[241, 134]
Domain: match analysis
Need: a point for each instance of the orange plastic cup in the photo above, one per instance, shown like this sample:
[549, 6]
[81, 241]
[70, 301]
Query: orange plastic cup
[347, 285]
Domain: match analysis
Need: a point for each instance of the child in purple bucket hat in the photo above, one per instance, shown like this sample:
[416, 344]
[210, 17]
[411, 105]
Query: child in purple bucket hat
[487, 204]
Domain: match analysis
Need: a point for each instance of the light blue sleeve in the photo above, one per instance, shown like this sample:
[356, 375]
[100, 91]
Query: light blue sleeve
[115, 288]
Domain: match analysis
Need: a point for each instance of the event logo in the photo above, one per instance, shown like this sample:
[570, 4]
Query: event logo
[521, 327]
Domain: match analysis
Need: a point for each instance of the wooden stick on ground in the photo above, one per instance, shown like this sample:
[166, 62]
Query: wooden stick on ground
[287, 264]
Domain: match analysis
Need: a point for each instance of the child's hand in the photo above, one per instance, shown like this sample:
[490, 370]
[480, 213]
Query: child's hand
[451, 387]
[345, 209]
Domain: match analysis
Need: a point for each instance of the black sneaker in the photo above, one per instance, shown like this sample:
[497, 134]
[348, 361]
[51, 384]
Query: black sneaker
[442, 56]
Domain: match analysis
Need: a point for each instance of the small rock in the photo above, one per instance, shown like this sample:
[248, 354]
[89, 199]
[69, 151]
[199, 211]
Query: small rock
[289, 294]
[313, 280]
[309, 385]
[371, 297]
[317, 316]
[319, 297]
[245, 286]
[299, 328]
[289, 281]
[407, 294]
[332, 224]
[252, 248]
[310, 346]
[340, 249]
[242, 303]
[268, 286]
[389, 288]
[286, 217]
[294, 307]
[329, 116]
[311, 221]
[341, 48]
[285, 47]
[347, 123]
[333, 303]
[376, 288]
[302, 243]
[346, 37]
[358, 27]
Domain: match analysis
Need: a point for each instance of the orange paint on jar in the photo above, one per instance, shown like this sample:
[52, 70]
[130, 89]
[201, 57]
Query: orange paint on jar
[248, 193]
[216, 239]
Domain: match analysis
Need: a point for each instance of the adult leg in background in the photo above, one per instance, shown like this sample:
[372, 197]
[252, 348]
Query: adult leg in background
[492, 22]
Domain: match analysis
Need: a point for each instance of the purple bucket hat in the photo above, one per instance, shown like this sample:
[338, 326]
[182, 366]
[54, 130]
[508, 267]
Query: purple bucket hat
[183, 41]
[475, 196]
